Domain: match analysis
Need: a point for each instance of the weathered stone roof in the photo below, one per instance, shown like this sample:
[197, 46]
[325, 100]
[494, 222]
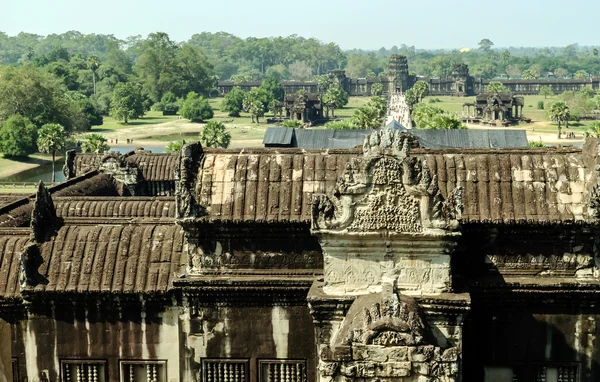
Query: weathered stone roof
[267, 185]
[115, 207]
[510, 185]
[18, 213]
[119, 258]
[153, 167]
[12, 242]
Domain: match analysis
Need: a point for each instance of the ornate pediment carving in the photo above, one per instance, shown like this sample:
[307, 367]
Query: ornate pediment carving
[386, 189]
[384, 319]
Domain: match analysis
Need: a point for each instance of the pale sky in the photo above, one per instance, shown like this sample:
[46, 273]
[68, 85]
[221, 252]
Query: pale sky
[366, 24]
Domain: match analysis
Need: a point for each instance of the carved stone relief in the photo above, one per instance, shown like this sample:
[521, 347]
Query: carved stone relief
[387, 222]
[386, 189]
[385, 335]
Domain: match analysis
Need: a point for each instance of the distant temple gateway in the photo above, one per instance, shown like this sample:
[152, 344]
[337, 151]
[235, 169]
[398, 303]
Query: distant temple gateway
[398, 79]
[384, 262]
[494, 109]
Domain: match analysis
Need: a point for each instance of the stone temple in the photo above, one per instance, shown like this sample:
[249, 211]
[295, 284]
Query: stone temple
[385, 262]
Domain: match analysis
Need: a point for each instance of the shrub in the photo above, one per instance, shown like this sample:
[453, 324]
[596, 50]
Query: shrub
[196, 108]
[540, 105]
[292, 123]
[173, 147]
[233, 102]
[344, 124]
[539, 143]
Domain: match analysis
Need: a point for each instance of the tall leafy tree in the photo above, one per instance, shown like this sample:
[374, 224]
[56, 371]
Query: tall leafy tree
[127, 102]
[379, 104]
[52, 138]
[17, 137]
[513, 71]
[157, 65]
[421, 89]
[273, 88]
[440, 66]
[377, 89]
[300, 71]
[497, 87]
[213, 134]
[94, 64]
[194, 72]
[366, 117]
[432, 117]
[334, 98]
[486, 45]
[411, 98]
[560, 113]
[233, 102]
[561, 73]
[38, 96]
[530, 74]
[256, 102]
[546, 91]
[593, 130]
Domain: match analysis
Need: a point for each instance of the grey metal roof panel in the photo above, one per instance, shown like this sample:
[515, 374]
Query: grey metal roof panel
[395, 125]
[434, 139]
[312, 139]
[278, 136]
[471, 138]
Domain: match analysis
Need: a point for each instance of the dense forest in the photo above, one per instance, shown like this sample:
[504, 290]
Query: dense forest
[295, 57]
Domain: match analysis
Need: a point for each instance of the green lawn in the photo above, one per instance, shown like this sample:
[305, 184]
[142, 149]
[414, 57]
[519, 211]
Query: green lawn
[10, 166]
[151, 118]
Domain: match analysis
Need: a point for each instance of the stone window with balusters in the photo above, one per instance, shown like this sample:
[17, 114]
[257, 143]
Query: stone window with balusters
[282, 370]
[83, 371]
[225, 370]
[143, 371]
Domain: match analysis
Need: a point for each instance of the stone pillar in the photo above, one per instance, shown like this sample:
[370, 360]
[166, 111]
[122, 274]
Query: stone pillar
[380, 261]
[5, 352]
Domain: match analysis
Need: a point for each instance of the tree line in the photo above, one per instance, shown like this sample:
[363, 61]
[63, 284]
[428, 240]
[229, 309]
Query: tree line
[74, 80]
[299, 58]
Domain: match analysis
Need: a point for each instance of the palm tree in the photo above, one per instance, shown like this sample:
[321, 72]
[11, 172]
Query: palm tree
[94, 143]
[333, 99]
[559, 112]
[94, 64]
[52, 137]
[593, 131]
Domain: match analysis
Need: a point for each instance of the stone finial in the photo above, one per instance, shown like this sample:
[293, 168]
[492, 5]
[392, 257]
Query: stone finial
[186, 175]
[43, 216]
[69, 166]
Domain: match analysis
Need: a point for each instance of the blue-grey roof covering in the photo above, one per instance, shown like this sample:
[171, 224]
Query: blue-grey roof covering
[431, 139]
[467, 138]
[314, 139]
[278, 136]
